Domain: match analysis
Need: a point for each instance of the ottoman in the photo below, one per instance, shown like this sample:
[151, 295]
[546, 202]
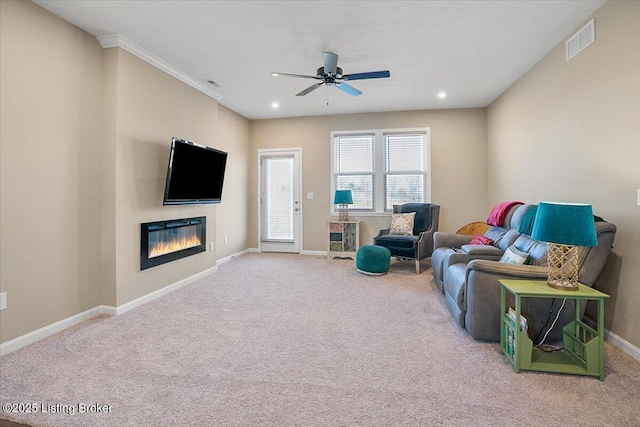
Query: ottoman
[373, 260]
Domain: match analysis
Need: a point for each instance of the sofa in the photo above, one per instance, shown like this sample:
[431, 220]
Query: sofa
[468, 275]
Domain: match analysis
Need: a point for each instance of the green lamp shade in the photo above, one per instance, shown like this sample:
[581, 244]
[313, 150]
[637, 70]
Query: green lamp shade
[565, 224]
[343, 197]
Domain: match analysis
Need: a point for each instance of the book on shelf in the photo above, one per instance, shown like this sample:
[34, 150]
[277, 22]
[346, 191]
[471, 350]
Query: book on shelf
[524, 327]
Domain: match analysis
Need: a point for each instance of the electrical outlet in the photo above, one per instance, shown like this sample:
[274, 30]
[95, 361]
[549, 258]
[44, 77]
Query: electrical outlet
[225, 238]
[3, 301]
[211, 247]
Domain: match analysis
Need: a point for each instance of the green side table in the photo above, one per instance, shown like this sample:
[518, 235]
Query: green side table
[583, 352]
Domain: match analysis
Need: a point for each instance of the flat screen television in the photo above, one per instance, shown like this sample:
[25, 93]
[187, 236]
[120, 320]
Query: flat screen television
[195, 174]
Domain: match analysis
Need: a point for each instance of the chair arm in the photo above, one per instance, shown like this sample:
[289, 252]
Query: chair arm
[449, 240]
[383, 232]
[425, 245]
[508, 271]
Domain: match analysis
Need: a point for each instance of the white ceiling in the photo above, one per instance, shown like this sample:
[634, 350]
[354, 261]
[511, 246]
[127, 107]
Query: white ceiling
[472, 50]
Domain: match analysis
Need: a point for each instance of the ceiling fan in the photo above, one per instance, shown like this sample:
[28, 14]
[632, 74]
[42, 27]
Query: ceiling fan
[331, 75]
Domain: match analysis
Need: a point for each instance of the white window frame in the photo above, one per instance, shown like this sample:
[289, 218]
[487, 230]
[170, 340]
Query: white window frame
[379, 176]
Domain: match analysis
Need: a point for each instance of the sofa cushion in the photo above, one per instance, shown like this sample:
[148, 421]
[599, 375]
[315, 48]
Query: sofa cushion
[514, 256]
[454, 283]
[518, 216]
[402, 224]
[495, 234]
[537, 250]
[481, 250]
[507, 239]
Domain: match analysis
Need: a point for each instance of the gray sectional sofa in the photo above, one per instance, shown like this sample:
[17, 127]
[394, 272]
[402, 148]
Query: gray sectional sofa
[468, 276]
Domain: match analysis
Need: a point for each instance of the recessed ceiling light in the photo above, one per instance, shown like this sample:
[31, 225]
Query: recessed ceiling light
[274, 105]
[442, 95]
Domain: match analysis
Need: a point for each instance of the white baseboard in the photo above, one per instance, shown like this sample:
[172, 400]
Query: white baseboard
[323, 253]
[63, 324]
[163, 291]
[227, 259]
[622, 344]
[48, 330]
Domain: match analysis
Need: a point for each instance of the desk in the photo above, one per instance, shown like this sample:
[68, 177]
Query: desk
[583, 352]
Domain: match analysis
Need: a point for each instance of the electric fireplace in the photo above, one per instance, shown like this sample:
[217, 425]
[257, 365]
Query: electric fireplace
[166, 241]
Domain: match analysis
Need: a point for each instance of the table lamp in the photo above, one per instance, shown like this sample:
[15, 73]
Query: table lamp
[564, 226]
[343, 198]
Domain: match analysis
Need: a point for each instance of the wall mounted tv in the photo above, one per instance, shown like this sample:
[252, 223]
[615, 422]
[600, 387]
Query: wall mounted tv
[195, 174]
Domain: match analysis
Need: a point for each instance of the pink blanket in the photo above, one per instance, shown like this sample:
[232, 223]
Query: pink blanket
[499, 213]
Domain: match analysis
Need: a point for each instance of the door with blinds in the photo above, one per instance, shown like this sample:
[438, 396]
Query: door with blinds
[280, 207]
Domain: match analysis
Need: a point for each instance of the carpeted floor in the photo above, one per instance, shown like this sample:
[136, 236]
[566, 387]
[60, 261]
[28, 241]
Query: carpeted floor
[282, 340]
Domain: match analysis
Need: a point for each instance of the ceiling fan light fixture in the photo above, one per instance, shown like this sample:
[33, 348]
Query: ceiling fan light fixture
[332, 75]
[274, 105]
[442, 95]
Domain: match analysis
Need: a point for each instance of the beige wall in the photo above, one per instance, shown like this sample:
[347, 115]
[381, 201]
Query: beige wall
[51, 134]
[85, 140]
[458, 162]
[570, 131]
[152, 107]
[232, 215]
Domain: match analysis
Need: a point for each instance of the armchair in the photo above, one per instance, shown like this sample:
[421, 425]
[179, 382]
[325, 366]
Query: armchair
[418, 246]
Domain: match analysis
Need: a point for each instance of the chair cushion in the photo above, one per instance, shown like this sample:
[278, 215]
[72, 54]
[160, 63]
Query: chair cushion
[395, 241]
[402, 224]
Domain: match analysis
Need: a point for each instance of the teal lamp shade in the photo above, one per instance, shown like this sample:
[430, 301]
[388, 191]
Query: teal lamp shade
[343, 197]
[565, 224]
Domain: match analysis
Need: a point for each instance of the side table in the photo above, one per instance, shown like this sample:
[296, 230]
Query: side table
[343, 239]
[583, 352]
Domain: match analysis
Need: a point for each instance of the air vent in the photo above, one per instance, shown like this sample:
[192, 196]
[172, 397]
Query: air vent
[211, 82]
[581, 39]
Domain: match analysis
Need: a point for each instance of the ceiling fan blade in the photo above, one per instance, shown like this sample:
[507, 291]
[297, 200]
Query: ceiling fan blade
[348, 89]
[310, 89]
[296, 75]
[369, 75]
[330, 63]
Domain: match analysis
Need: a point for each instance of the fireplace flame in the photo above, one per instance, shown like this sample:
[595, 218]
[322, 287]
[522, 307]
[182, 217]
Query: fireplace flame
[163, 248]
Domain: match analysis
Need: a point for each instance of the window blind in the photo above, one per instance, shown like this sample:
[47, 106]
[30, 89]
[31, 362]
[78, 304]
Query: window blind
[405, 160]
[277, 199]
[353, 168]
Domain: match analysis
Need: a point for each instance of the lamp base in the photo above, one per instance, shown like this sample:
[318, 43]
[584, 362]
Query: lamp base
[343, 212]
[563, 267]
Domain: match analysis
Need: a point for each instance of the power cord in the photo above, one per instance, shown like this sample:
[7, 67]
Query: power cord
[546, 321]
[553, 324]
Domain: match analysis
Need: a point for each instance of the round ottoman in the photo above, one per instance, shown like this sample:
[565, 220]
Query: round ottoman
[373, 260]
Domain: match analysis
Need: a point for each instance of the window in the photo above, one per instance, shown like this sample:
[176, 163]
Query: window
[381, 168]
[354, 168]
